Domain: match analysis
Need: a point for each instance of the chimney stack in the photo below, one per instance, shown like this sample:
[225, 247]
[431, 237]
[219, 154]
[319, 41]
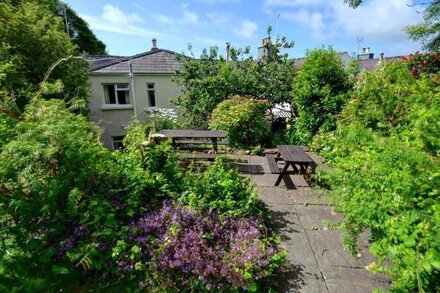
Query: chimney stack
[228, 51]
[153, 44]
[366, 54]
[262, 51]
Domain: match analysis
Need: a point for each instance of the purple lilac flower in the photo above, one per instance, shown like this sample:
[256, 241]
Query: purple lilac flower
[216, 251]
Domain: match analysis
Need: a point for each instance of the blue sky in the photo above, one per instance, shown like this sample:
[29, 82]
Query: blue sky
[127, 26]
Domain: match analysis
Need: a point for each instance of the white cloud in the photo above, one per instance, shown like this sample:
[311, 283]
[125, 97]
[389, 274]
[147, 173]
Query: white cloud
[113, 14]
[294, 3]
[113, 19]
[189, 17]
[218, 18]
[247, 29]
[377, 19]
[313, 20]
[217, 1]
[163, 19]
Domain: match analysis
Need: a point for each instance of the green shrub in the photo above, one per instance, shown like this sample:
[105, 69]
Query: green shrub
[319, 93]
[244, 119]
[221, 189]
[69, 206]
[386, 173]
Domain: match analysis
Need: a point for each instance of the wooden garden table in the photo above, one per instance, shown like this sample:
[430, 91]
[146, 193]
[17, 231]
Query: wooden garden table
[293, 155]
[201, 135]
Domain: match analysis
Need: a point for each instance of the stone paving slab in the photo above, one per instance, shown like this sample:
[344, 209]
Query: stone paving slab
[291, 196]
[270, 179]
[317, 261]
[312, 216]
[330, 252]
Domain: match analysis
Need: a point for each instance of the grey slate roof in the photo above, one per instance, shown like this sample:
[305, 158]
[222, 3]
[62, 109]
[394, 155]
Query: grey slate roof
[345, 57]
[159, 61]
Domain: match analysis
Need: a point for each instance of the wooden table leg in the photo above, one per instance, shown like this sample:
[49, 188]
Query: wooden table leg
[282, 174]
[214, 144]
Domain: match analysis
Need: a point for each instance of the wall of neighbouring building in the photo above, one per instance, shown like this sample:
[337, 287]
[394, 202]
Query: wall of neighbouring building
[114, 118]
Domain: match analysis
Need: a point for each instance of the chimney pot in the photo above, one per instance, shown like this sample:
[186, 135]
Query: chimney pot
[154, 44]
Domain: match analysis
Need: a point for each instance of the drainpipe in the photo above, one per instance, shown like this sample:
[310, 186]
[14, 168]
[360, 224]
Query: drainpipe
[133, 95]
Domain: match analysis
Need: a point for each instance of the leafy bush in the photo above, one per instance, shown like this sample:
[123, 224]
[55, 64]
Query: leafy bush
[386, 173]
[319, 93]
[68, 205]
[173, 248]
[243, 118]
[220, 188]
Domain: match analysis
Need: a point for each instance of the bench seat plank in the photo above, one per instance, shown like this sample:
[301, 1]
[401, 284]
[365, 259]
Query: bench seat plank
[209, 157]
[273, 166]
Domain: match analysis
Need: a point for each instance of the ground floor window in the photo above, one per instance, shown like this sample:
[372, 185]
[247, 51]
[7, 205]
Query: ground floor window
[117, 142]
[151, 95]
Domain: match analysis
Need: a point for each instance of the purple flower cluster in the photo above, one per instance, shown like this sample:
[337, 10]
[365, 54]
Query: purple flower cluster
[69, 243]
[218, 252]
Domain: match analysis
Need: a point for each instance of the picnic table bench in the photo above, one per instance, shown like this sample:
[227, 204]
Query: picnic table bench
[180, 137]
[293, 156]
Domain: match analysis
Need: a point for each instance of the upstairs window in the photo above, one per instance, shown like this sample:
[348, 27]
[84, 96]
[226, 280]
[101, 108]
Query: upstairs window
[151, 95]
[117, 94]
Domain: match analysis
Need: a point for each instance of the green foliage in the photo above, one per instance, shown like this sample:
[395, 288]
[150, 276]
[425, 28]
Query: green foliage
[211, 79]
[68, 205]
[319, 93]
[33, 37]
[428, 32]
[221, 189]
[386, 173]
[79, 30]
[243, 118]
[390, 101]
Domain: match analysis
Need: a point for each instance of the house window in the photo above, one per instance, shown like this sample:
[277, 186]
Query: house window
[117, 142]
[117, 94]
[151, 95]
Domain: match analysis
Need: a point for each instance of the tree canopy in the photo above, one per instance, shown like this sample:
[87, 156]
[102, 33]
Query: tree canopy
[212, 78]
[33, 37]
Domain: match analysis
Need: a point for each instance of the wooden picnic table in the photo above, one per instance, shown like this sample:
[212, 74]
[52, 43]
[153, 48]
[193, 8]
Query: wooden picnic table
[292, 155]
[175, 135]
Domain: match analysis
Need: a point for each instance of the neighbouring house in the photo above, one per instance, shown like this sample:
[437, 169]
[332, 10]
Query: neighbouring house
[127, 87]
[345, 57]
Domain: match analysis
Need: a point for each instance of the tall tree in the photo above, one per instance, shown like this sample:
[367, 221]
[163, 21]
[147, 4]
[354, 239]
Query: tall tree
[32, 38]
[211, 79]
[80, 32]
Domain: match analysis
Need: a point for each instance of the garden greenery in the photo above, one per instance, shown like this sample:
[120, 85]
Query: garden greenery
[319, 93]
[75, 216]
[244, 119]
[211, 79]
[386, 173]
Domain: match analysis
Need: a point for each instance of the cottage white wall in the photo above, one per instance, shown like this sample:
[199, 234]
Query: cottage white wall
[114, 118]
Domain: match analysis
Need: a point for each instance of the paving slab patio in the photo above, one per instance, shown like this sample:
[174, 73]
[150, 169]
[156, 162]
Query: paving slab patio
[317, 261]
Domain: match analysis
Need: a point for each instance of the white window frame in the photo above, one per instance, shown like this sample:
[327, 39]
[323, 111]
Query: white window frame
[153, 89]
[117, 89]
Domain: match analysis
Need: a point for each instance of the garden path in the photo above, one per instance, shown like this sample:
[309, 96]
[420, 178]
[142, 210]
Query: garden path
[317, 261]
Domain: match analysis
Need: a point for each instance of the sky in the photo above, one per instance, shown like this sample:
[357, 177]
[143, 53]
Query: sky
[127, 26]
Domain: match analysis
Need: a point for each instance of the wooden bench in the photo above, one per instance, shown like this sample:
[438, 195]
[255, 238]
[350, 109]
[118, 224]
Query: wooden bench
[199, 142]
[207, 157]
[273, 166]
